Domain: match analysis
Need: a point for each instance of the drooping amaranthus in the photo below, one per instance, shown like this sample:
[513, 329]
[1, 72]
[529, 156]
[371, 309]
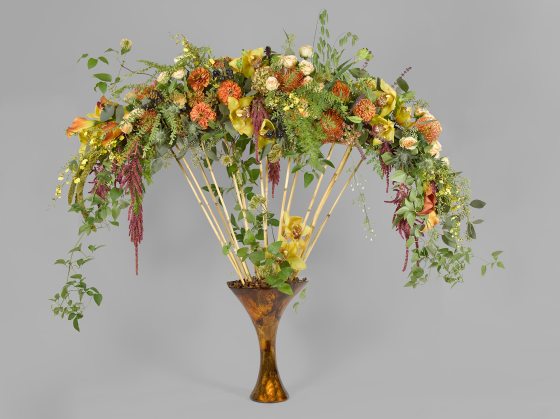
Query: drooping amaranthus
[258, 114]
[385, 168]
[132, 183]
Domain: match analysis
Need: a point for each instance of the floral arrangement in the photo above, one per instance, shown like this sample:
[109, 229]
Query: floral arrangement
[269, 120]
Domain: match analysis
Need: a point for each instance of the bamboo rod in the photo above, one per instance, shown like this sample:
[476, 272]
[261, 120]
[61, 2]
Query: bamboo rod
[286, 182]
[203, 196]
[293, 188]
[327, 193]
[208, 217]
[327, 217]
[241, 201]
[264, 193]
[223, 215]
[308, 212]
[223, 211]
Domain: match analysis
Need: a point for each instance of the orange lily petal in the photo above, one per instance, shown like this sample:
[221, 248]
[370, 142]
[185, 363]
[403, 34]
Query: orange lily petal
[429, 200]
[78, 125]
[111, 131]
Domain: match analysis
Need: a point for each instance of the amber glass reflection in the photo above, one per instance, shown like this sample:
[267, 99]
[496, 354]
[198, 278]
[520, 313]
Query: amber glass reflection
[265, 307]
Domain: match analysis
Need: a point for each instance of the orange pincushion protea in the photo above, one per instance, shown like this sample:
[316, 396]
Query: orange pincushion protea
[199, 78]
[365, 109]
[227, 89]
[332, 125]
[202, 114]
[430, 127]
[341, 90]
[290, 79]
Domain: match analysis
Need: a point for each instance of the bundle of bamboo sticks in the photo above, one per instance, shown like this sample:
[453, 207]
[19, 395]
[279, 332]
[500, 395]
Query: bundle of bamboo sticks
[217, 214]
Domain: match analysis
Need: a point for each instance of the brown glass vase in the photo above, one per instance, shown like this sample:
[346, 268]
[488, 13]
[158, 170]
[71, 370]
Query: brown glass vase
[265, 307]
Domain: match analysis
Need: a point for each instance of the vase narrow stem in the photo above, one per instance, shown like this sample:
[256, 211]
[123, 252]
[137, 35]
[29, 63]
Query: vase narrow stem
[265, 306]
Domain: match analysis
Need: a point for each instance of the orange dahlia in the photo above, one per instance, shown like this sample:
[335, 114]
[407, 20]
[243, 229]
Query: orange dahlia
[290, 79]
[199, 78]
[332, 125]
[365, 109]
[429, 126]
[341, 90]
[229, 88]
[202, 114]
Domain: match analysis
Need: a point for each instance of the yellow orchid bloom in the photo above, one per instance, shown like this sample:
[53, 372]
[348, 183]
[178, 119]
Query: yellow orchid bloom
[387, 129]
[293, 227]
[291, 251]
[267, 133]
[389, 97]
[239, 115]
[431, 222]
[247, 62]
[403, 116]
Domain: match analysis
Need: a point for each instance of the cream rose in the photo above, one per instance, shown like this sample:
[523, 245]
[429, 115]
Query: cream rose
[126, 127]
[272, 83]
[289, 61]
[307, 79]
[306, 67]
[445, 161]
[179, 74]
[306, 51]
[408, 143]
[162, 77]
[436, 148]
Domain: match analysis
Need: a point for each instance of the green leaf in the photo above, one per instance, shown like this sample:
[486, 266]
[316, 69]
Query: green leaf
[103, 77]
[398, 176]
[496, 253]
[76, 324]
[402, 84]
[328, 163]
[355, 119]
[84, 55]
[359, 73]
[274, 248]
[102, 86]
[225, 248]
[103, 59]
[256, 257]
[500, 264]
[471, 231]
[115, 193]
[483, 269]
[249, 237]
[107, 113]
[285, 288]
[448, 240]
[477, 203]
[387, 157]
[242, 252]
[60, 262]
[115, 212]
[479, 221]
[307, 179]
[92, 62]
[97, 298]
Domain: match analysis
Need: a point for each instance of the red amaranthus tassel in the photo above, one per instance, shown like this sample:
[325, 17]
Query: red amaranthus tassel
[274, 174]
[258, 114]
[132, 184]
[385, 168]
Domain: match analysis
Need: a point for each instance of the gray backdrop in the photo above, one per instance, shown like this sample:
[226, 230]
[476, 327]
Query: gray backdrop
[174, 342]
